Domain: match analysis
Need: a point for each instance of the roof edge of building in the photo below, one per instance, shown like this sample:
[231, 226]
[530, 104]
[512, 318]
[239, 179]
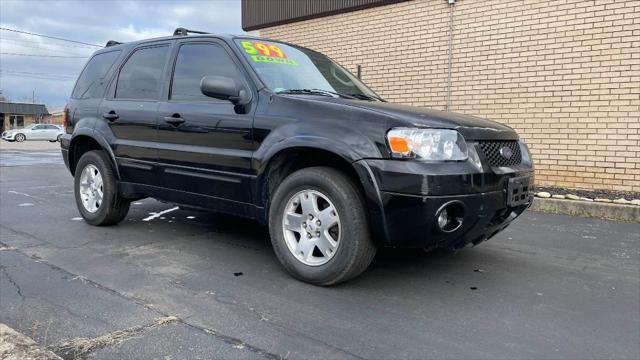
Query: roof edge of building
[255, 19]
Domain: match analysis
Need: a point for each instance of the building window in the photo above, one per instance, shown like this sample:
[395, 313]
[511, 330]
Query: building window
[16, 121]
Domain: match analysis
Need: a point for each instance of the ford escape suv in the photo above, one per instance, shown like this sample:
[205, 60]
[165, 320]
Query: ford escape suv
[282, 134]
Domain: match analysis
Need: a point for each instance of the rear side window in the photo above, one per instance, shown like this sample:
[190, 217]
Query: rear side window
[141, 75]
[95, 70]
[195, 61]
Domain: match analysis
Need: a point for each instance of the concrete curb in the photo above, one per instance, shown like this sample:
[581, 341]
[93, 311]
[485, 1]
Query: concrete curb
[630, 213]
[16, 346]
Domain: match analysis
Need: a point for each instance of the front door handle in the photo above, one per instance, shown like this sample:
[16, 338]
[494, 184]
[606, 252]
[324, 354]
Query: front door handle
[174, 119]
[111, 116]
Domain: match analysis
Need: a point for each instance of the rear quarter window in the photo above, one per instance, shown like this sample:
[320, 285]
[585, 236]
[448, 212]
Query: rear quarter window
[95, 70]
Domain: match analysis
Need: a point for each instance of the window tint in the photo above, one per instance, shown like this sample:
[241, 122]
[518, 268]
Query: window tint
[95, 70]
[52, 127]
[141, 75]
[194, 61]
[38, 127]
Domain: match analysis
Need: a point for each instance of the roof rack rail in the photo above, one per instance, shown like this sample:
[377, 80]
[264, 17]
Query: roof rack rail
[112, 43]
[183, 32]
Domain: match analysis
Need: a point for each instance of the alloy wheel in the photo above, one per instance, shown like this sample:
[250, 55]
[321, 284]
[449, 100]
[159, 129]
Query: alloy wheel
[311, 226]
[91, 188]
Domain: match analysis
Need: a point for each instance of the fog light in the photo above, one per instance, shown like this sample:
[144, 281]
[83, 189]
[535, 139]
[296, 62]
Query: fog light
[450, 216]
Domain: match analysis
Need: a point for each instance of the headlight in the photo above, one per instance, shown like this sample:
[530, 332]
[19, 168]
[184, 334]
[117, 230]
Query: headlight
[526, 154]
[427, 144]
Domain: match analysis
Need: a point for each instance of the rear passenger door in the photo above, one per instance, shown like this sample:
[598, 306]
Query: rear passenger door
[205, 144]
[130, 111]
[52, 132]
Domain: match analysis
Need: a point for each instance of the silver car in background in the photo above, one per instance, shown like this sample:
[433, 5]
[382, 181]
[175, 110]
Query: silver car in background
[34, 132]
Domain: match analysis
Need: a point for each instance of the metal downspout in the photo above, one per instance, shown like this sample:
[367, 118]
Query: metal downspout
[450, 53]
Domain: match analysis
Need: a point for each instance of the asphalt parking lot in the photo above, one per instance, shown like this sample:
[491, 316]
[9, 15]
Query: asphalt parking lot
[174, 284]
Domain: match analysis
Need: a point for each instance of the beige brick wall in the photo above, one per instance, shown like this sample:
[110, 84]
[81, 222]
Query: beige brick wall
[564, 74]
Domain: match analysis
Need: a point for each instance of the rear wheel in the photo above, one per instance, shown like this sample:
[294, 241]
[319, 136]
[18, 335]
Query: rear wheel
[96, 190]
[20, 137]
[319, 228]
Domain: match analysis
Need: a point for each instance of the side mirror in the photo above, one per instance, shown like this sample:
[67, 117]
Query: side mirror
[224, 88]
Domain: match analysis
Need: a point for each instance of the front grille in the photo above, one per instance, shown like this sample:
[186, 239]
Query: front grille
[491, 150]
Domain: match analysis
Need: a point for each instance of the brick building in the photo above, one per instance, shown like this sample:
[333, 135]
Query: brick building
[565, 74]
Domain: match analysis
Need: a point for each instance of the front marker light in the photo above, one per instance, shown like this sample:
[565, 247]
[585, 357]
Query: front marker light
[427, 144]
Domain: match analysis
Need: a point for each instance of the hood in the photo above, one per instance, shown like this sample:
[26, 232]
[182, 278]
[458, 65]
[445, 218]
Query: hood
[471, 127]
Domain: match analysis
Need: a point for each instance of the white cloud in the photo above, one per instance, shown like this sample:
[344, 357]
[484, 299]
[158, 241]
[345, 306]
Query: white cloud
[93, 22]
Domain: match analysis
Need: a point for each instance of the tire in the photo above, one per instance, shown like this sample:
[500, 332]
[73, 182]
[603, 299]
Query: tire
[112, 208]
[354, 250]
[58, 138]
[20, 137]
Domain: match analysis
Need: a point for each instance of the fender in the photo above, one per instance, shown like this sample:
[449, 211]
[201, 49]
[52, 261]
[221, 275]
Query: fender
[86, 127]
[330, 135]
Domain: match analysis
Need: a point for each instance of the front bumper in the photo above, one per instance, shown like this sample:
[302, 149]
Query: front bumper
[411, 220]
[9, 136]
[404, 199]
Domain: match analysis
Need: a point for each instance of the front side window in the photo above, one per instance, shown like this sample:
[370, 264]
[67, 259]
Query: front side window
[195, 61]
[140, 77]
[95, 70]
[284, 67]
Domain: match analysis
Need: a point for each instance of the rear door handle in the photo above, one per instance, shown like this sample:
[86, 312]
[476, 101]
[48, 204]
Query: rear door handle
[111, 116]
[174, 119]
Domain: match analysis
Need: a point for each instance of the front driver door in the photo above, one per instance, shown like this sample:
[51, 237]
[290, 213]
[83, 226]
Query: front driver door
[205, 144]
[38, 132]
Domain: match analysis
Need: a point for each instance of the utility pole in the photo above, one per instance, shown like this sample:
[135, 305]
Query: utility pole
[33, 96]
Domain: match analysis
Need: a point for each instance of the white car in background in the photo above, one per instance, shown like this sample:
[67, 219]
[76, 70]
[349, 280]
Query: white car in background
[34, 132]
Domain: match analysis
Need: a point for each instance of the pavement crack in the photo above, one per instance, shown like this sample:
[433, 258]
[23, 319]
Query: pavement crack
[236, 343]
[43, 241]
[4, 271]
[79, 348]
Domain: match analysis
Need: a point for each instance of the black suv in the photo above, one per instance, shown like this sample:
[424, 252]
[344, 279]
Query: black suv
[282, 134]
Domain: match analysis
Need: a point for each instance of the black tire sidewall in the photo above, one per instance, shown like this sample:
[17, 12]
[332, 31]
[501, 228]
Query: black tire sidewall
[109, 186]
[353, 222]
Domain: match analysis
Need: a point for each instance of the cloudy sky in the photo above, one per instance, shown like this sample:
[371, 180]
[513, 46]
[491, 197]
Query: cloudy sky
[93, 22]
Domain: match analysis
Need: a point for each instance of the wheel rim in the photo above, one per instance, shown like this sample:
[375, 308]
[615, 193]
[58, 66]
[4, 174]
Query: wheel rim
[311, 227]
[91, 188]
[19, 138]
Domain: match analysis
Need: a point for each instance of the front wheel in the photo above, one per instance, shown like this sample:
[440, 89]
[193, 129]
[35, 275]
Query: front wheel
[96, 190]
[319, 228]
[20, 137]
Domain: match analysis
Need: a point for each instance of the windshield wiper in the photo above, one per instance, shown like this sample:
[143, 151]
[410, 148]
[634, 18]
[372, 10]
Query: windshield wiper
[308, 91]
[365, 97]
[329, 93]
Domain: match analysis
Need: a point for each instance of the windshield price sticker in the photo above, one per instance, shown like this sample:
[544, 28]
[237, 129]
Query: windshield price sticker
[264, 52]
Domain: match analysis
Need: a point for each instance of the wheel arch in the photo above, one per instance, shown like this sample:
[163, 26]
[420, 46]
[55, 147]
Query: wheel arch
[288, 160]
[83, 142]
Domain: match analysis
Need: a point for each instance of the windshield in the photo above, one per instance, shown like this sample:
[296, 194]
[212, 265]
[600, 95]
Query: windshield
[284, 67]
